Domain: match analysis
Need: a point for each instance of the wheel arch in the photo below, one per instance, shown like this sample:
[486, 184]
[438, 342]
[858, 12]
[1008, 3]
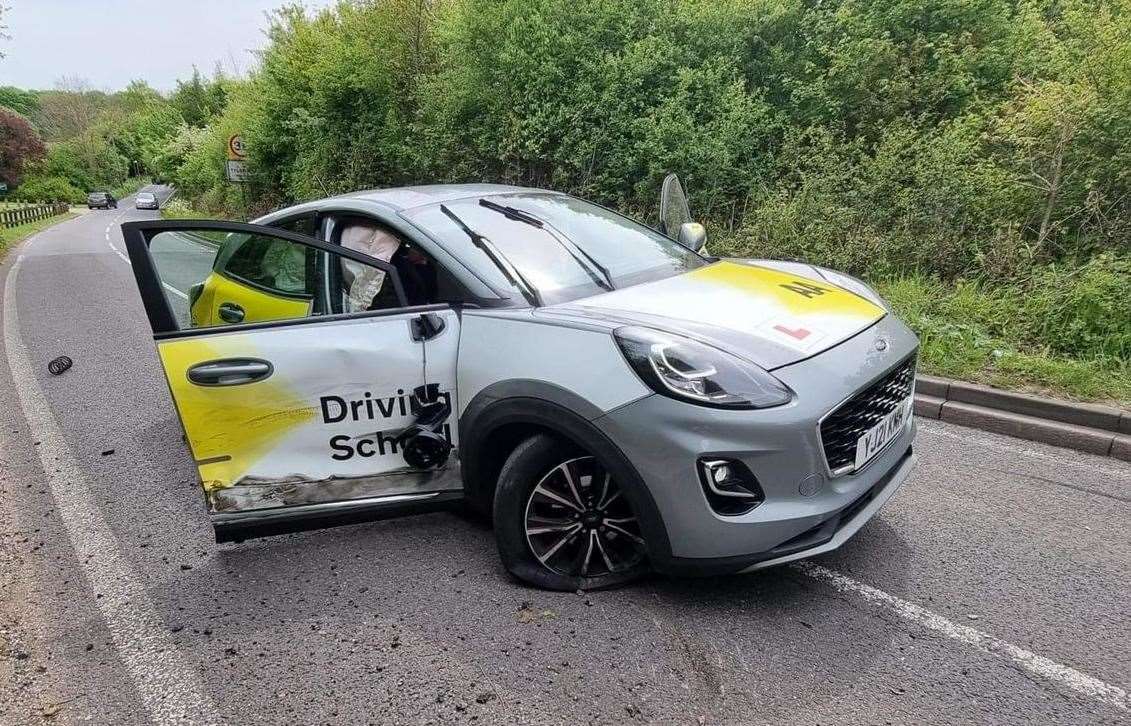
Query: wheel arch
[504, 414]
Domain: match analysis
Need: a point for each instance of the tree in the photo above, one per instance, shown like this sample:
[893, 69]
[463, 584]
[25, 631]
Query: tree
[22, 102]
[70, 109]
[20, 146]
[198, 100]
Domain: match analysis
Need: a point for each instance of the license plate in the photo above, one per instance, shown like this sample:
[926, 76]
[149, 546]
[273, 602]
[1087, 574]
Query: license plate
[882, 434]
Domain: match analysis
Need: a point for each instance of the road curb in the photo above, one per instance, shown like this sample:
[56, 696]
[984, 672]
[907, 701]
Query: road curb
[1101, 430]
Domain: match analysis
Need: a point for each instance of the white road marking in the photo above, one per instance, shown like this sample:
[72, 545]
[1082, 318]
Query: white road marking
[125, 258]
[934, 428]
[1036, 664]
[120, 254]
[167, 286]
[174, 290]
[169, 688]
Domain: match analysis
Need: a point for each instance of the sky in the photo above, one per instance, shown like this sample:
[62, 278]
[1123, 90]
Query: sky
[111, 42]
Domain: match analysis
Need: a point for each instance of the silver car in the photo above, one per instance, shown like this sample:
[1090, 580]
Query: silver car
[146, 200]
[613, 397]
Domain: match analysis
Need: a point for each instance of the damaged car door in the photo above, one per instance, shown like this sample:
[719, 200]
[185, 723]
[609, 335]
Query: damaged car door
[298, 372]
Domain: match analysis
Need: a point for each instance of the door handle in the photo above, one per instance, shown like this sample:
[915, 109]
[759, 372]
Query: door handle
[230, 372]
[230, 312]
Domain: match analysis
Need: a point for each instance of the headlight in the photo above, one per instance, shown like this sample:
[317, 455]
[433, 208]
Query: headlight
[850, 283]
[684, 369]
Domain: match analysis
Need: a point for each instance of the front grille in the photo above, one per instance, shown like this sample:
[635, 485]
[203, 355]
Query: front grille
[841, 428]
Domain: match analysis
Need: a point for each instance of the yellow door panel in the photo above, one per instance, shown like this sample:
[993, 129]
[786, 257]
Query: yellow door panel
[258, 305]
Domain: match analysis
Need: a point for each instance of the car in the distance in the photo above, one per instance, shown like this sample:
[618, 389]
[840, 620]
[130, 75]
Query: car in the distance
[101, 200]
[146, 200]
[614, 398]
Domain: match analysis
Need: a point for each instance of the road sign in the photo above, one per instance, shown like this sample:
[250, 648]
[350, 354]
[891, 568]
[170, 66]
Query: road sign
[237, 170]
[236, 150]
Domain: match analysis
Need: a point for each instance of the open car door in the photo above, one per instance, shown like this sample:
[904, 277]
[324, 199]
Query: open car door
[299, 375]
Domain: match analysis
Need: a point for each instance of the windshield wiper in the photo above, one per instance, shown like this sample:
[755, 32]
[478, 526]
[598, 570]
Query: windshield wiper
[509, 271]
[577, 253]
[511, 213]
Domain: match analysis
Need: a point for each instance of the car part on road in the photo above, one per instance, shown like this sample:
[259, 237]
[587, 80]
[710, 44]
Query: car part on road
[59, 366]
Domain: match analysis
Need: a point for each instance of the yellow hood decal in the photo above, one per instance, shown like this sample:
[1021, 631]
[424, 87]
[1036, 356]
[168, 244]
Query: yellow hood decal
[795, 294]
[767, 315]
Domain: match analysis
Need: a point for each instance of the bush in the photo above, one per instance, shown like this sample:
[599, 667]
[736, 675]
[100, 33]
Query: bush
[1039, 334]
[971, 155]
[1079, 310]
[129, 186]
[50, 189]
[1074, 311]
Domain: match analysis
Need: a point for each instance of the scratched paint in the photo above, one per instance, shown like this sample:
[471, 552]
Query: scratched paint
[322, 427]
[253, 493]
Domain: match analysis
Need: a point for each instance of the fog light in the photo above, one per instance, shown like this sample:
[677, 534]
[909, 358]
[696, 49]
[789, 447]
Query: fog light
[729, 486]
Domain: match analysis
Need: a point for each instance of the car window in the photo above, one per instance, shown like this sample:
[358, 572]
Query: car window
[277, 265]
[424, 280]
[307, 224]
[213, 278]
[605, 244]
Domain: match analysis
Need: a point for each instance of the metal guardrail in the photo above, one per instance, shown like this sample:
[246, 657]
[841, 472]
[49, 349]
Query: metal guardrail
[24, 215]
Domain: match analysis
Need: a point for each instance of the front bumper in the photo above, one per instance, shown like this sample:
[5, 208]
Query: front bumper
[781, 446]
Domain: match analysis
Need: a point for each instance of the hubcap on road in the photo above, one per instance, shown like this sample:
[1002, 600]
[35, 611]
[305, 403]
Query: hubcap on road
[579, 524]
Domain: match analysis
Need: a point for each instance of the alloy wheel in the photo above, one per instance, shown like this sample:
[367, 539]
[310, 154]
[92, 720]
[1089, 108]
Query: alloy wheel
[579, 523]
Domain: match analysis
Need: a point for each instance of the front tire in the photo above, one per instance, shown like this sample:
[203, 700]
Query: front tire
[562, 523]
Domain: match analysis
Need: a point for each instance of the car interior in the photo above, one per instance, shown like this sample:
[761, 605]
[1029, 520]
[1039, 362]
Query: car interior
[366, 288]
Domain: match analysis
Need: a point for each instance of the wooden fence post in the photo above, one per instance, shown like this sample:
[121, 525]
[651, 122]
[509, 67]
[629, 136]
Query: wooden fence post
[34, 213]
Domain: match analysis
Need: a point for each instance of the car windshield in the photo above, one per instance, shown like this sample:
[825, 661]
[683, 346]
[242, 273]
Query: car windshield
[606, 242]
[145, 195]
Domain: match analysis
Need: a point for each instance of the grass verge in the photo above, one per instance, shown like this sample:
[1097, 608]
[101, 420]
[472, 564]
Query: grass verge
[177, 208]
[976, 334]
[12, 235]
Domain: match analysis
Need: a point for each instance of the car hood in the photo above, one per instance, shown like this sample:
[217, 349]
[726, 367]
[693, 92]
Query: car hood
[772, 314]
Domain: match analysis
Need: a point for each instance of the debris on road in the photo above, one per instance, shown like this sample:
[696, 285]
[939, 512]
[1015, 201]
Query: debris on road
[527, 613]
[59, 366]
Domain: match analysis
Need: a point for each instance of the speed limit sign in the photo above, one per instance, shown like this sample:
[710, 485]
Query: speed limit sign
[236, 149]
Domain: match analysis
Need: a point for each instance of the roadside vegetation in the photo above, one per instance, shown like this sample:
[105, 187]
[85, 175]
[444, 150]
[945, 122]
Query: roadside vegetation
[970, 158]
[11, 235]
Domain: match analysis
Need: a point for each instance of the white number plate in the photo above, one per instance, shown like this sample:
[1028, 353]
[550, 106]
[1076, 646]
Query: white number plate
[880, 435]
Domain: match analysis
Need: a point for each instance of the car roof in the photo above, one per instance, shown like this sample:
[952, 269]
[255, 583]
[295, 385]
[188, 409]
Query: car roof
[402, 198]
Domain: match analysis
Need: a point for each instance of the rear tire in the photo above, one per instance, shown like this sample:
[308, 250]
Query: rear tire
[562, 523]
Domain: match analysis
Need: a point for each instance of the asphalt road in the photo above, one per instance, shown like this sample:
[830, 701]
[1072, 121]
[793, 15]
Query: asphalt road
[994, 587]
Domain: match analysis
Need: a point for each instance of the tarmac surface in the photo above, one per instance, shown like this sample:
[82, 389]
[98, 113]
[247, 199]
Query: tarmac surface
[994, 587]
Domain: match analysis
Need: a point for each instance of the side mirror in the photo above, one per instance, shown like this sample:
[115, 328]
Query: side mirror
[674, 210]
[692, 235]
